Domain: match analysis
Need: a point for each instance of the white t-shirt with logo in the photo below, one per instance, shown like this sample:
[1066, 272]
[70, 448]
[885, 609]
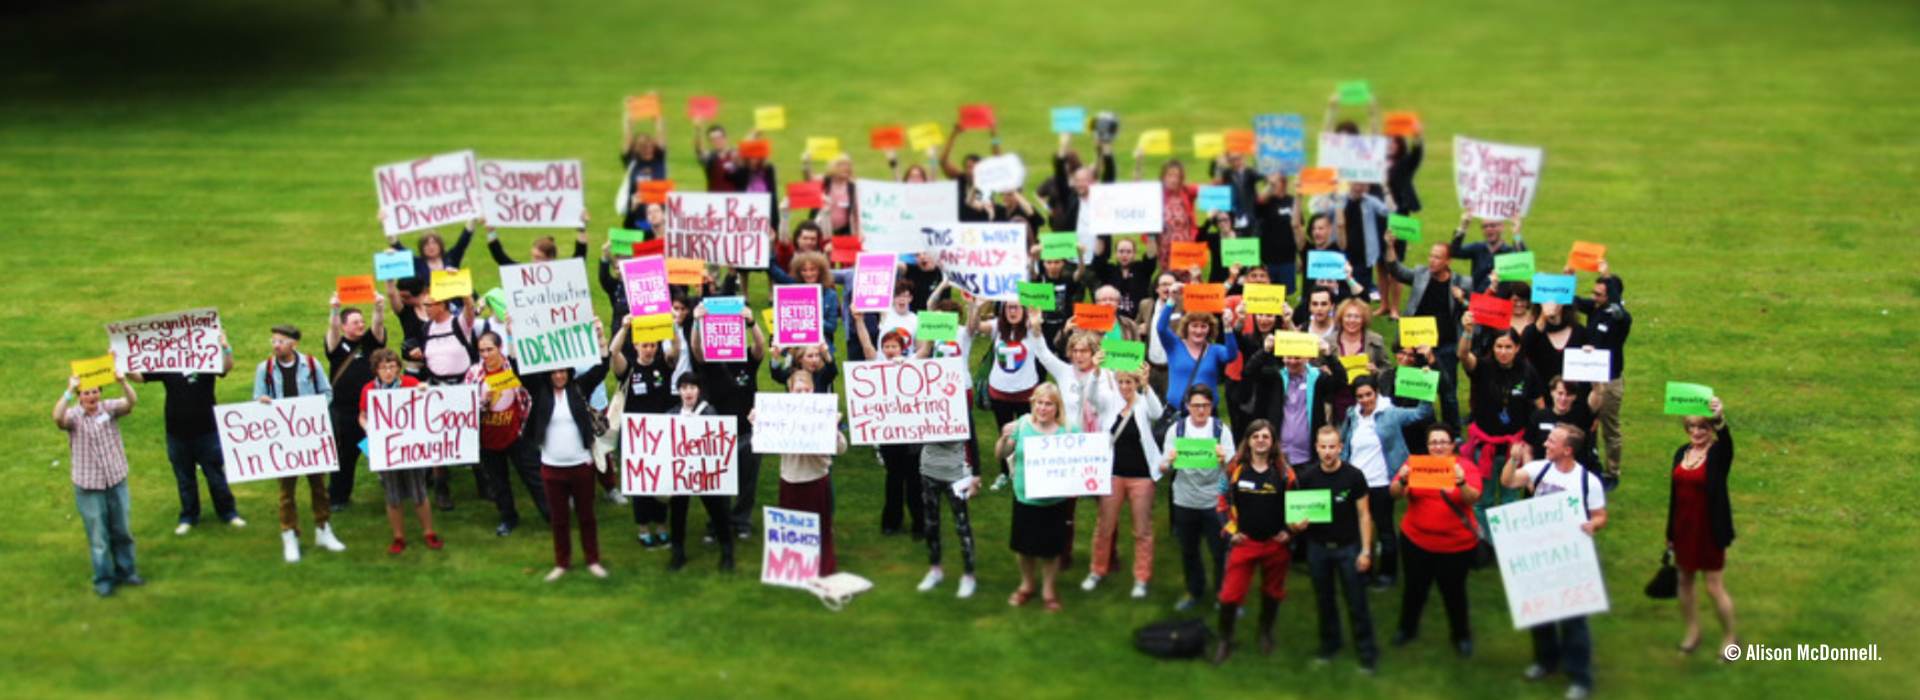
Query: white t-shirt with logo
[1558, 481]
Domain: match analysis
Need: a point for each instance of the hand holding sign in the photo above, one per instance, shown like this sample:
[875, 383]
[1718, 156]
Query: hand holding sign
[1685, 399]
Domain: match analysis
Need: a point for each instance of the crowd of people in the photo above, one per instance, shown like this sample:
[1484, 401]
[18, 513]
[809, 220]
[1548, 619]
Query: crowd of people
[1279, 423]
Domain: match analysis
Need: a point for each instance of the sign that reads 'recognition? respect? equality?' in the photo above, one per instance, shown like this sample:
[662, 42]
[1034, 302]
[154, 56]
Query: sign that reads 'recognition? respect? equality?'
[176, 343]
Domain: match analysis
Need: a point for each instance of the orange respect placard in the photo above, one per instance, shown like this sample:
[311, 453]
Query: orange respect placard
[1185, 255]
[1319, 181]
[1586, 256]
[1093, 317]
[1205, 298]
[1430, 472]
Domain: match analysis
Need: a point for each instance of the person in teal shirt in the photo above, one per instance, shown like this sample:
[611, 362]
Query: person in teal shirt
[1039, 524]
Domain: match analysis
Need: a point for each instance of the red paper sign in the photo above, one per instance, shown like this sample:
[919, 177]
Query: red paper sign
[643, 107]
[1586, 256]
[1093, 317]
[357, 289]
[703, 108]
[805, 195]
[655, 191]
[888, 137]
[1491, 311]
[761, 149]
[1205, 298]
[976, 117]
[657, 246]
[846, 249]
[1186, 255]
[1239, 141]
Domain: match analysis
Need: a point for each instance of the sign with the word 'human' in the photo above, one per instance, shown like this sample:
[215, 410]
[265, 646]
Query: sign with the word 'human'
[532, 193]
[906, 403]
[722, 229]
[669, 455]
[792, 547]
[175, 343]
[288, 437]
[432, 427]
[429, 192]
[1548, 564]
[1073, 464]
[551, 304]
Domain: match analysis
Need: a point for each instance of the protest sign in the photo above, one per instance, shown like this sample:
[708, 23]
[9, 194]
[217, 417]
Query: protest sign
[892, 214]
[1069, 120]
[432, 191]
[176, 343]
[1548, 565]
[1402, 124]
[873, 282]
[925, 136]
[1514, 267]
[1124, 207]
[844, 250]
[1001, 173]
[729, 230]
[94, 371]
[702, 108]
[1187, 254]
[1685, 399]
[1495, 181]
[1059, 246]
[1093, 317]
[533, 193]
[1214, 198]
[796, 424]
[1265, 299]
[657, 246]
[551, 304]
[1281, 143]
[1581, 365]
[792, 548]
[503, 380]
[451, 284]
[496, 299]
[357, 289]
[1326, 265]
[1122, 355]
[1353, 157]
[1311, 505]
[1238, 141]
[805, 195]
[1155, 142]
[1067, 465]
[644, 106]
[723, 337]
[771, 118]
[1586, 256]
[685, 273]
[1356, 366]
[938, 326]
[760, 149]
[1244, 252]
[904, 403]
[1416, 383]
[987, 261]
[1553, 289]
[1317, 181]
[392, 265]
[657, 328]
[1196, 453]
[1405, 228]
[1430, 471]
[1204, 298]
[624, 239]
[674, 455]
[1490, 311]
[1037, 296]
[978, 117]
[1354, 93]
[1209, 146]
[823, 149]
[430, 427]
[725, 306]
[887, 138]
[287, 437]
[1416, 331]
[646, 281]
[796, 316]
[1295, 344]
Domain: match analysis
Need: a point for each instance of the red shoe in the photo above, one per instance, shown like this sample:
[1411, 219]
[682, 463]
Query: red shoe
[433, 541]
[399, 545]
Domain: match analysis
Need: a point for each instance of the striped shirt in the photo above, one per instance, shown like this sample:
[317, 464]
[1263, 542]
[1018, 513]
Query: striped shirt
[99, 458]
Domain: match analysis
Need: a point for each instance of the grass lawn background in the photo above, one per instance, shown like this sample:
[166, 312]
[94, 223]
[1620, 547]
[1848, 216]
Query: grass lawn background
[1750, 165]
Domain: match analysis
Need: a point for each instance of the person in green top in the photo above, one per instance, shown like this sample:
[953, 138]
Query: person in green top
[1039, 524]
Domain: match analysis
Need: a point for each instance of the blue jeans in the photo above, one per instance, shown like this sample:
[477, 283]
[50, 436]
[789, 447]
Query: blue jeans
[203, 452]
[109, 542]
[1284, 275]
[1566, 645]
[1323, 563]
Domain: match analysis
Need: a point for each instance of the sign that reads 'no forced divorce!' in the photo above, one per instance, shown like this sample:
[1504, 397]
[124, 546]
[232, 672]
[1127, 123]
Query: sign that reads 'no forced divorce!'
[429, 192]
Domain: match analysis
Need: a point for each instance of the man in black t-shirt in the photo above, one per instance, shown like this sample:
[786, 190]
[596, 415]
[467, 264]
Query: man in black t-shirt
[1343, 546]
[192, 441]
[350, 340]
[730, 387]
[1437, 293]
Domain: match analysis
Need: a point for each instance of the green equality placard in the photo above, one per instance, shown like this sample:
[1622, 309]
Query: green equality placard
[1195, 453]
[1311, 505]
[939, 326]
[1415, 383]
[1244, 252]
[1405, 228]
[1121, 355]
[1685, 399]
[1036, 295]
[1514, 267]
[1059, 246]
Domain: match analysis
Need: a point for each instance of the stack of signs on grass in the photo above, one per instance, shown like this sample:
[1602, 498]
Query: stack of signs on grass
[1067, 465]
[730, 230]
[426, 193]
[532, 193]
[675, 455]
[796, 424]
[1549, 566]
[551, 304]
[428, 427]
[287, 437]
[907, 403]
[1495, 181]
[175, 343]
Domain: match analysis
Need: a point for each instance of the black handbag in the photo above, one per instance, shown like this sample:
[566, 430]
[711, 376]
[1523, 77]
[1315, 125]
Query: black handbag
[1666, 582]
[1483, 555]
[1173, 639]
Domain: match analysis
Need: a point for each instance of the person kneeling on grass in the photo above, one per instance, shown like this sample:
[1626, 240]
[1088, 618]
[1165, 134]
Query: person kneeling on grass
[1253, 510]
[401, 485]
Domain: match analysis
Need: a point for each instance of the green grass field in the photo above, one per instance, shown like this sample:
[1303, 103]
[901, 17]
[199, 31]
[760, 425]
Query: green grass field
[1747, 162]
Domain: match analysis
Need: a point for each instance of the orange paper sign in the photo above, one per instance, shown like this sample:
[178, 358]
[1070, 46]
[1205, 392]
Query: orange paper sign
[1239, 141]
[684, 271]
[643, 107]
[655, 191]
[357, 289]
[1402, 123]
[1205, 298]
[1586, 256]
[1319, 181]
[1430, 472]
[888, 137]
[1093, 317]
[1187, 254]
[756, 149]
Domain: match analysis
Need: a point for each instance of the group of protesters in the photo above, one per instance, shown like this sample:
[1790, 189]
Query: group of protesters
[1279, 422]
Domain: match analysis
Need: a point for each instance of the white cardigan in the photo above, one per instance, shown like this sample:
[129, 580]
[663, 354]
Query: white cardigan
[1098, 387]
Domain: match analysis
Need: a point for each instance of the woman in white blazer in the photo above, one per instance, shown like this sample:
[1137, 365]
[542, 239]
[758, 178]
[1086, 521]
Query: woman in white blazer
[1136, 469]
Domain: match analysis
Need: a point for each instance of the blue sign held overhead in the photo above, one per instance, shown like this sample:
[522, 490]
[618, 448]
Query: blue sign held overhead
[1326, 265]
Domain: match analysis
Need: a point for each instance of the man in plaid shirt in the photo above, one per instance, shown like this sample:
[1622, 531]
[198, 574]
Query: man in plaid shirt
[100, 479]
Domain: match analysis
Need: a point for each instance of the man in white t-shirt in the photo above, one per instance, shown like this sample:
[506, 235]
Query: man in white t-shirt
[1567, 644]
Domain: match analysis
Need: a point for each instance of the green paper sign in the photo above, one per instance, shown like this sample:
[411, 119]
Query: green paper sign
[1685, 399]
[1354, 93]
[1415, 383]
[1240, 251]
[1059, 246]
[939, 326]
[1036, 295]
[1195, 453]
[1122, 355]
[1514, 267]
[1405, 228]
[1312, 505]
[496, 298]
[626, 237]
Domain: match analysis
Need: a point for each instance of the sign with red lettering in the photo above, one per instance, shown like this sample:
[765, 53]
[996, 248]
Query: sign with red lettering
[907, 403]
[655, 191]
[1354, 157]
[551, 304]
[429, 192]
[1495, 181]
[985, 261]
[731, 230]
[532, 193]
[1490, 311]
[175, 343]
[670, 455]
[423, 427]
[792, 548]
[288, 437]
[1067, 465]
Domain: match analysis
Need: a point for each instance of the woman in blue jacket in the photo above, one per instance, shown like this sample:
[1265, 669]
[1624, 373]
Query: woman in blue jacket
[1374, 443]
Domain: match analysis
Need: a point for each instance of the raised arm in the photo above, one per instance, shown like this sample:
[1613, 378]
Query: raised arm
[946, 156]
[1467, 359]
[333, 323]
[60, 407]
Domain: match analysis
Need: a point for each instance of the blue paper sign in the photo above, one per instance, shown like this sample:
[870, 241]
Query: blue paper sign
[1326, 265]
[1069, 120]
[1215, 198]
[1280, 143]
[1554, 289]
[392, 265]
[725, 306]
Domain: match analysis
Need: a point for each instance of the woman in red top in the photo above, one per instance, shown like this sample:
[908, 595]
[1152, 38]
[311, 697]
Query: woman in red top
[1440, 536]
[1178, 225]
[1700, 520]
[404, 485]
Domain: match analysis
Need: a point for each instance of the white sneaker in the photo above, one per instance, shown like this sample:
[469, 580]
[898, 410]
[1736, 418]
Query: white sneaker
[237, 522]
[323, 536]
[967, 584]
[290, 542]
[1092, 582]
[555, 574]
[617, 498]
[183, 529]
[597, 570]
[933, 578]
[1139, 590]
[999, 482]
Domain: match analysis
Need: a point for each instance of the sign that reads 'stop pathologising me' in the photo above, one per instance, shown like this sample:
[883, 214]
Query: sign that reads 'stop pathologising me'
[175, 343]
[429, 192]
[1073, 464]
[532, 193]
[722, 229]
[910, 402]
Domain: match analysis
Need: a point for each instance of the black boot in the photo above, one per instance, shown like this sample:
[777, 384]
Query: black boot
[679, 560]
[726, 554]
[1269, 611]
[442, 496]
[1224, 649]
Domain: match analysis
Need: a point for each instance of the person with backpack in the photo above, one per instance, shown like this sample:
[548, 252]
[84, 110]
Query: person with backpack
[287, 374]
[1564, 645]
[1196, 493]
[445, 349]
[1343, 545]
[1252, 506]
[351, 340]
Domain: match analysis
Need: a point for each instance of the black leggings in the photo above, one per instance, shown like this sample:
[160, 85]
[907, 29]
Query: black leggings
[932, 491]
[1423, 570]
[903, 476]
[716, 507]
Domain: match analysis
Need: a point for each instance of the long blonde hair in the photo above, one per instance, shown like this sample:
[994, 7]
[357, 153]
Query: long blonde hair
[1050, 392]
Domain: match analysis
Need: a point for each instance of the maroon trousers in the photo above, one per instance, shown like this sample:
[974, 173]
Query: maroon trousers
[814, 497]
[569, 486]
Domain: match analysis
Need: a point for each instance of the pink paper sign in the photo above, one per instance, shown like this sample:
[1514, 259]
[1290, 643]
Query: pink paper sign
[873, 282]
[796, 315]
[723, 338]
[646, 280]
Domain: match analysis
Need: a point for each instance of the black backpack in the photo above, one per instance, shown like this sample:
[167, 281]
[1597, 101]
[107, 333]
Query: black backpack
[1173, 639]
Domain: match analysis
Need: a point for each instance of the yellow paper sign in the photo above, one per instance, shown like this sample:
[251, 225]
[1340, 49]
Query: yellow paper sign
[1356, 366]
[503, 381]
[925, 136]
[1268, 299]
[823, 148]
[1156, 142]
[766, 317]
[94, 371]
[1209, 145]
[1295, 344]
[452, 284]
[772, 118]
[683, 271]
[653, 329]
[1416, 331]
